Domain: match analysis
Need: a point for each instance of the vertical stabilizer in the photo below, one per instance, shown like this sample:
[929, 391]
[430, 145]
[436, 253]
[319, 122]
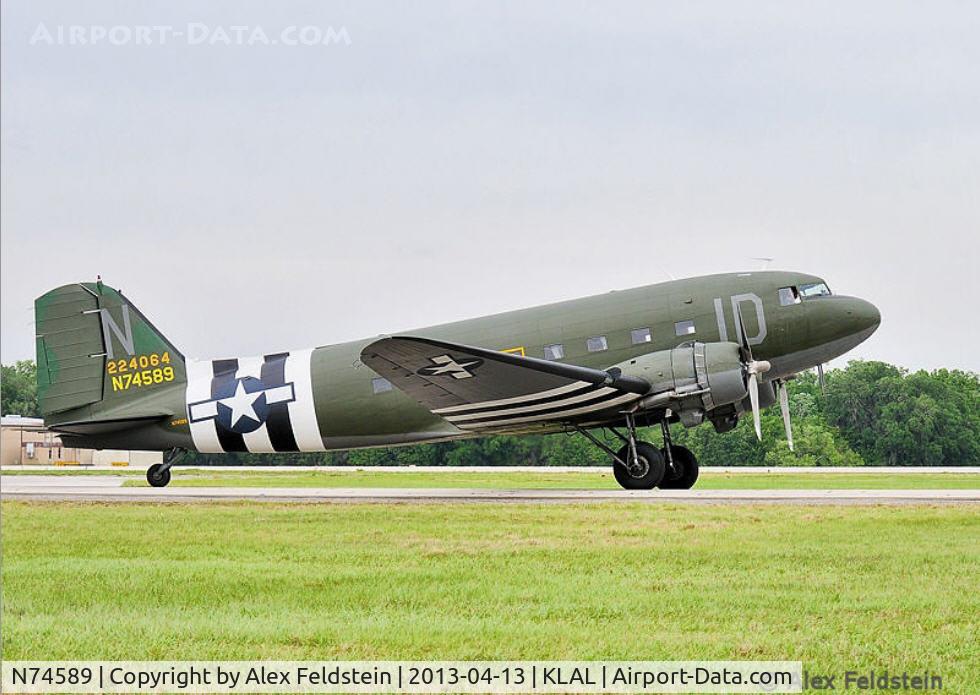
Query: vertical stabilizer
[98, 356]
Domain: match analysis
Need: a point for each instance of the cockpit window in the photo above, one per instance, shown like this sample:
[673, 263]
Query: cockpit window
[814, 289]
[788, 295]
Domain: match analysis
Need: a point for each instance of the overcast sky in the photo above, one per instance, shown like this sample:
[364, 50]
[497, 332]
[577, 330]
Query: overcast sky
[445, 160]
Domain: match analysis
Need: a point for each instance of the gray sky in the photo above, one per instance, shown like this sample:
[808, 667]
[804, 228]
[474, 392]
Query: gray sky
[456, 159]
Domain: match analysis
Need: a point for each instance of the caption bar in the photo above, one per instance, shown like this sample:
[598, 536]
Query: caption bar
[403, 676]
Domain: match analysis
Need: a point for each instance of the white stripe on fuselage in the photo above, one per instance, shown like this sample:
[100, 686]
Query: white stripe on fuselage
[203, 433]
[302, 411]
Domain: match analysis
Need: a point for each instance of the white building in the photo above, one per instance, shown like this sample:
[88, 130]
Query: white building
[25, 441]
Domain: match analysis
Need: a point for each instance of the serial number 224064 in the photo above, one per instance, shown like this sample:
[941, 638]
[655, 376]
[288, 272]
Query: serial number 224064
[140, 371]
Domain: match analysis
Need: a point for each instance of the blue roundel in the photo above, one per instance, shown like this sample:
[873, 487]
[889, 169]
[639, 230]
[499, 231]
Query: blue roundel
[242, 406]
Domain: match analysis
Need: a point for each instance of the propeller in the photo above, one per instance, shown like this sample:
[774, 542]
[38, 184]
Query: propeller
[821, 379]
[784, 408]
[754, 368]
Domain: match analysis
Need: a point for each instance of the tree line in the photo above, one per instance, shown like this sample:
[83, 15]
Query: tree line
[869, 414]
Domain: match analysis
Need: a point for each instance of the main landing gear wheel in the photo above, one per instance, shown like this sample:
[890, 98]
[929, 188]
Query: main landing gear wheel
[685, 471]
[645, 473]
[638, 465]
[158, 475]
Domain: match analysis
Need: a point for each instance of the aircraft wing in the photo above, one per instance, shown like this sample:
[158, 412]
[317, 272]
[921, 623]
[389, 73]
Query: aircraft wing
[476, 388]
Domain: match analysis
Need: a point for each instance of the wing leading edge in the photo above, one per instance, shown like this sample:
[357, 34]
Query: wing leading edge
[478, 389]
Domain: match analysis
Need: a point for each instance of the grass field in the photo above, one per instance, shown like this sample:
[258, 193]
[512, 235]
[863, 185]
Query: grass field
[837, 587]
[360, 478]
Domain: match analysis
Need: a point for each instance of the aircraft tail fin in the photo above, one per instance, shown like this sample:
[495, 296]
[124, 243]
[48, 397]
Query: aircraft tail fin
[100, 359]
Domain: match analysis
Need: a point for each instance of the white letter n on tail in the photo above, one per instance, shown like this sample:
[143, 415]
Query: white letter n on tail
[110, 328]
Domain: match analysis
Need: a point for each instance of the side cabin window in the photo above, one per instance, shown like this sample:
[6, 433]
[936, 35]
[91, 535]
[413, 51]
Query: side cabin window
[554, 352]
[380, 385]
[788, 295]
[684, 328]
[638, 336]
[597, 344]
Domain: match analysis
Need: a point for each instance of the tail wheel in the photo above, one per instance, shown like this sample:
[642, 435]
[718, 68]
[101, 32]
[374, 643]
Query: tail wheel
[157, 475]
[685, 472]
[646, 473]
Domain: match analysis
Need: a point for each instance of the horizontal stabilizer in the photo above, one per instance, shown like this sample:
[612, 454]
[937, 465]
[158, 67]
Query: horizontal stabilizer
[107, 426]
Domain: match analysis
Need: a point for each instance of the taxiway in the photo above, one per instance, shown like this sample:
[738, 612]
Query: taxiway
[108, 488]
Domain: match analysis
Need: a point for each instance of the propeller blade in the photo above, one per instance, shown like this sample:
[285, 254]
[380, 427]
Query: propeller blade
[784, 407]
[743, 337]
[754, 400]
[821, 379]
[754, 368]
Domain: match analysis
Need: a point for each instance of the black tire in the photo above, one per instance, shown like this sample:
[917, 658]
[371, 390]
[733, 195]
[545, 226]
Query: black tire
[685, 472]
[157, 475]
[651, 469]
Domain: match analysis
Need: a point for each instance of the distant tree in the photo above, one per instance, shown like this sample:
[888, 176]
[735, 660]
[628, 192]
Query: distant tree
[575, 450]
[854, 400]
[739, 447]
[894, 418]
[806, 396]
[18, 389]
[495, 451]
[814, 444]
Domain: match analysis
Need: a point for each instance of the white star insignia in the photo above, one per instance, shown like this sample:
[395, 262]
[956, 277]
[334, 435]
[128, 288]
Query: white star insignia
[444, 364]
[241, 404]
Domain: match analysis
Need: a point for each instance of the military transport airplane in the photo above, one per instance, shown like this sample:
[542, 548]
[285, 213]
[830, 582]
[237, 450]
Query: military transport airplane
[703, 349]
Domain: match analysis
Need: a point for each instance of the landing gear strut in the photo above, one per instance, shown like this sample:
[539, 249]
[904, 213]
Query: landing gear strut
[642, 466]
[637, 465]
[682, 466]
[158, 475]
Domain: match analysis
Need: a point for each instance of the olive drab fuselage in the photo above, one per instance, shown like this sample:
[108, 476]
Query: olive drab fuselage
[326, 398]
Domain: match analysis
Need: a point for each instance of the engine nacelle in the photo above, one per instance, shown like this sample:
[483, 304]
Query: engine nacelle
[692, 379]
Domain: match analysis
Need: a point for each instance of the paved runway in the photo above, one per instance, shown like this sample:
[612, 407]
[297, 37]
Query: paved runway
[104, 488]
[817, 470]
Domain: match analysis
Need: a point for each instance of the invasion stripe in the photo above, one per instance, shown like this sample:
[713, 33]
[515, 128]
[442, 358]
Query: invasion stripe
[520, 400]
[561, 414]
[551, 404]
[258, 439]
[302, 411]
[224, 373]
[203, 432]
[278, 423]
[222, 367]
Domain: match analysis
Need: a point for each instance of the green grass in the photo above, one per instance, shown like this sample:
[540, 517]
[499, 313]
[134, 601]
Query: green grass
[836, 587]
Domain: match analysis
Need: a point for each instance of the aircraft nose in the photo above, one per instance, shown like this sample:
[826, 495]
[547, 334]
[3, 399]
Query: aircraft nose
[863, 315]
